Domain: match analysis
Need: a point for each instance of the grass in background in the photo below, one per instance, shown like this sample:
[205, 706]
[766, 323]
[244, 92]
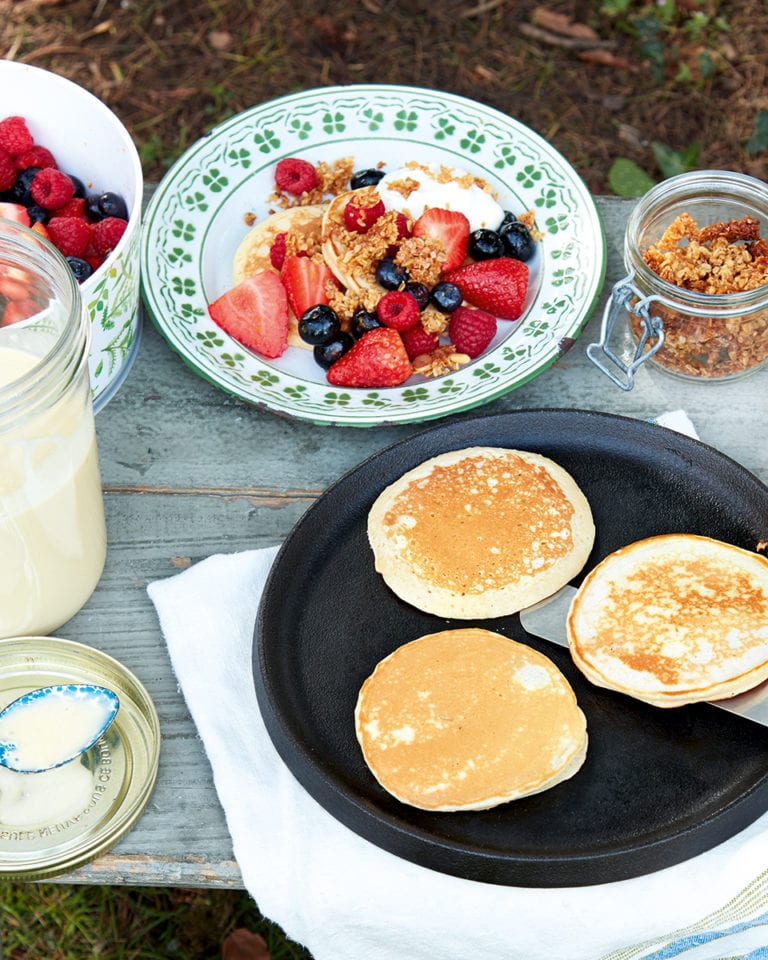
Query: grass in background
[48, 921]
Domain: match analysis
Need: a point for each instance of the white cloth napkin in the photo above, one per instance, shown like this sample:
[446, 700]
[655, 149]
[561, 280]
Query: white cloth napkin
[346, 899]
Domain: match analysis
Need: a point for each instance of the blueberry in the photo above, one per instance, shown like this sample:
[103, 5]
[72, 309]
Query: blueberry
[365, 178]
[319, 324]
[508, 217]
[80, 268]
[38, 214]
[363, 321]
[79, 186]
[485, 245]
[326, 354]
[419, 292]
[100, 206]
[446, 297]
[518, 242]
[391, 275]
[20, 190]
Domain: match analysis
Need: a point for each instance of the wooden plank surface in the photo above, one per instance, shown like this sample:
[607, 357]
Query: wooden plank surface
[189, 471]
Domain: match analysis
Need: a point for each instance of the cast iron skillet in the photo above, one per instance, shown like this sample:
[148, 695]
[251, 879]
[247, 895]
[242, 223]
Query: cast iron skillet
[658, 786]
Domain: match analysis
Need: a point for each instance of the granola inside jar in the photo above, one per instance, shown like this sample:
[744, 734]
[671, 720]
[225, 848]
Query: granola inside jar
[696, 245]
[696, 292]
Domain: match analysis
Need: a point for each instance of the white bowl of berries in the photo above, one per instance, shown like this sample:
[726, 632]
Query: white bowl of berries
[70, 171]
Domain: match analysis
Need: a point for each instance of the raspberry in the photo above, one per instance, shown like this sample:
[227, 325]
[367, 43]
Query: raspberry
[295, 176]
[418, 342]
[7, 170]
[398, 310]
[471, 330]
[360, 216]
[35, 157]
[52, 189]
[75, 208]
[277, 251]
[15, 137]
[70, 234]
[105, 236]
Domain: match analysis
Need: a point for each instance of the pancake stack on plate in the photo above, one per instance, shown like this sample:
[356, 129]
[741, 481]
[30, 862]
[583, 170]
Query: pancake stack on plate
[673, 619]
[467, 719]
[480, 532]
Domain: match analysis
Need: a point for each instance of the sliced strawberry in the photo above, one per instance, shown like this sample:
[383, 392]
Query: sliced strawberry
[15, 212]
[498, 286]
[450, 228]
[255, 313]
[378, 359]
[305, 283]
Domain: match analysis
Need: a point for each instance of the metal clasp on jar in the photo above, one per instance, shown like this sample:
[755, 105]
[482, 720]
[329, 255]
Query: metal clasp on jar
[650, 340]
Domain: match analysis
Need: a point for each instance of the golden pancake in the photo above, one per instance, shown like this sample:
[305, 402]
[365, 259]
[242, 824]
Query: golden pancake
[467, 719]
[673, 619]
[480, 532]
[303, 229]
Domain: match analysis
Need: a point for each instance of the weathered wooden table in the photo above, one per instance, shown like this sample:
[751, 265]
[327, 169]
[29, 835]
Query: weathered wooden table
[189, 471]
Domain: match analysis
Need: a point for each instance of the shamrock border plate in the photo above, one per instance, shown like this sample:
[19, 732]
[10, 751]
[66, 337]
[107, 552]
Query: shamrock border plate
[197, 217]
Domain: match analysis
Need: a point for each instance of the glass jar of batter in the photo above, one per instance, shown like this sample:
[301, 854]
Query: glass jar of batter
[52, 530]
[694, 302]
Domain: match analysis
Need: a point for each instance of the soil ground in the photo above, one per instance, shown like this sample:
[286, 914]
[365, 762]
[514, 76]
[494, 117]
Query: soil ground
[599, 80]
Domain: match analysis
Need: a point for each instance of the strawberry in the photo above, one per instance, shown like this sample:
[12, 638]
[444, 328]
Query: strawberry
[15, 211]
[255, 313]
[305, 282]
[378, 359]
[448, 227]
[498, 286]
[471, 330]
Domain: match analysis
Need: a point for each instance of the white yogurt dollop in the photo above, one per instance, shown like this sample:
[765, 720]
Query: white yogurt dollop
[435, 190]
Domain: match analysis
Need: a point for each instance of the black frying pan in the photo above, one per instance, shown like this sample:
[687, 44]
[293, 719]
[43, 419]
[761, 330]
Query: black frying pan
[658, 786]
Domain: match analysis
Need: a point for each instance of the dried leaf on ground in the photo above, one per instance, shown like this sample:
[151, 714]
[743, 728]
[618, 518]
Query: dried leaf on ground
[241, 944]
[559, 23]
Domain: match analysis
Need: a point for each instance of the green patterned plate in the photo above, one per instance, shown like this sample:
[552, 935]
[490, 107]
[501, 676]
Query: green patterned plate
[195, 222]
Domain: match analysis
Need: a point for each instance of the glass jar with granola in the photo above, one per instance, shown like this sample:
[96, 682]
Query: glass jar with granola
[695, 299]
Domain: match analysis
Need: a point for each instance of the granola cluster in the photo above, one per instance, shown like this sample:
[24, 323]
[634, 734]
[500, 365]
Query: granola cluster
[719, 259]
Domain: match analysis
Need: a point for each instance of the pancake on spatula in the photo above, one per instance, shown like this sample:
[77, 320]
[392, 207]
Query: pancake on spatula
[467, 719]
[480, 532]
[673, 619]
